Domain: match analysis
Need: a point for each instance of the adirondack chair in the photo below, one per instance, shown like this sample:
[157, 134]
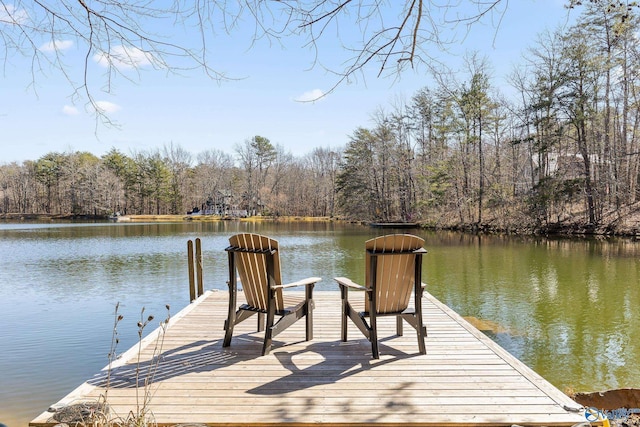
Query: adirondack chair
[393, 271]
[256, 261]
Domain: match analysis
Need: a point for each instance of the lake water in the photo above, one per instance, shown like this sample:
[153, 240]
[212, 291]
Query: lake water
[567, 308]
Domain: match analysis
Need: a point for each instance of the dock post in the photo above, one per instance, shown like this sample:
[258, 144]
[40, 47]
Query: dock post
[198, 260]
[192, 286]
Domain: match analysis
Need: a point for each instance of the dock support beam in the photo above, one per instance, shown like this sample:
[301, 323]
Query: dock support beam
[194, 263]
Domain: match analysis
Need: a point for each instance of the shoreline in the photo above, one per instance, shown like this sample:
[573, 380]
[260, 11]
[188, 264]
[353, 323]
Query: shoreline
[215, 218]
[630, 229]
[14, 218]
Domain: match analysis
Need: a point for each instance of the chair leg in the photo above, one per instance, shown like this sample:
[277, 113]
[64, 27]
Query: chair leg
[345, 307]
[268, 340]
[422, 332]
[420, 327]
[399, 326]
[309, 321]
[260, 322]
[310, 305]
[228, 326]
[421, 346]
[233, 297]
[419, 291]
[373, 337]
[268, 330]
[375, 353]
[234, 318]
[231, 320]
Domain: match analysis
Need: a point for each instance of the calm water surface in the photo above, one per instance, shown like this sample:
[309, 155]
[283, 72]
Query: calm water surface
[567, 308]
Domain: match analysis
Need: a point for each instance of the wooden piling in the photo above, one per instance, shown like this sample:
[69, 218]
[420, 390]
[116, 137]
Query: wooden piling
[194, 262]
[198, 263]
[192, 286]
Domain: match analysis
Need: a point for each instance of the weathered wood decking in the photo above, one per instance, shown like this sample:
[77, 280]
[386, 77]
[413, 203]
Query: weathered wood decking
[464, 379]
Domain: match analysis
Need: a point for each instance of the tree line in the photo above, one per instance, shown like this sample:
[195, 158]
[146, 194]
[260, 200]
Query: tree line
[563, 147]
[261, 179]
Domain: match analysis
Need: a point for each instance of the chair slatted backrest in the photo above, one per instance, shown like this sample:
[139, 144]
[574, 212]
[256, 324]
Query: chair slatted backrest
[255, 254]
[395, 266]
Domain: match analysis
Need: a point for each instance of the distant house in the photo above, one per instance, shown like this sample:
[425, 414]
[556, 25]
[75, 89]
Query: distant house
[567, 166]
[220, 204]
[238, 213]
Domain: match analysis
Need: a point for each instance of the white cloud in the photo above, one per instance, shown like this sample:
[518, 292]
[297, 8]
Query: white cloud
[10, 15]
[107, 107]
[310, 96]
[56, 45]
[124, 58]
[70, 110]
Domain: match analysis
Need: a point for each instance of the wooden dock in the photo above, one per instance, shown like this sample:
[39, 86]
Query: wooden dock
[464, 379]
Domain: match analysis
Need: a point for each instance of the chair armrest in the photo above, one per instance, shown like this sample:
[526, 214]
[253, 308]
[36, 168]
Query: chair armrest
[303, 282]
[343, 281]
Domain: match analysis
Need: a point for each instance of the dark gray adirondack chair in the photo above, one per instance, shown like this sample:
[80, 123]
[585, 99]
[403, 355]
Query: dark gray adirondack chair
[255, 260]
[393, 272]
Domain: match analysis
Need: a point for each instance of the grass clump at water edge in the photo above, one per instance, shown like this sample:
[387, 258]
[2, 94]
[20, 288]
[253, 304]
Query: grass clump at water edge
[99, 413]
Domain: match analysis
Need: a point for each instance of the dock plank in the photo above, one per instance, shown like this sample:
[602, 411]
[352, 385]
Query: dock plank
[464, 379]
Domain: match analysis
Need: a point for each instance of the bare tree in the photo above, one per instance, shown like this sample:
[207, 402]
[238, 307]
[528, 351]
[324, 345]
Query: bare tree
[256, 157]
[212, 181]
[323, 166]
[122, 34]
[179, 162]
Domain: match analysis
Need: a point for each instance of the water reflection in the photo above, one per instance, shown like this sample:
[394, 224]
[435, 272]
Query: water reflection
[569, 301]
[565, 307]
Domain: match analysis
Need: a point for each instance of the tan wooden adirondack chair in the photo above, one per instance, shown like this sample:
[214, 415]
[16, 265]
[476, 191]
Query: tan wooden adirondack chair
[256, 261]
[393, 272]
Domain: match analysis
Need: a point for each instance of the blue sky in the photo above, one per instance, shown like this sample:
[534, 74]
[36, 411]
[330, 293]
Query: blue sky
[197, 113]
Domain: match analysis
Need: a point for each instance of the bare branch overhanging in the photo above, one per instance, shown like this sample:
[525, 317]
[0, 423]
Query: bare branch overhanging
[127, 35]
